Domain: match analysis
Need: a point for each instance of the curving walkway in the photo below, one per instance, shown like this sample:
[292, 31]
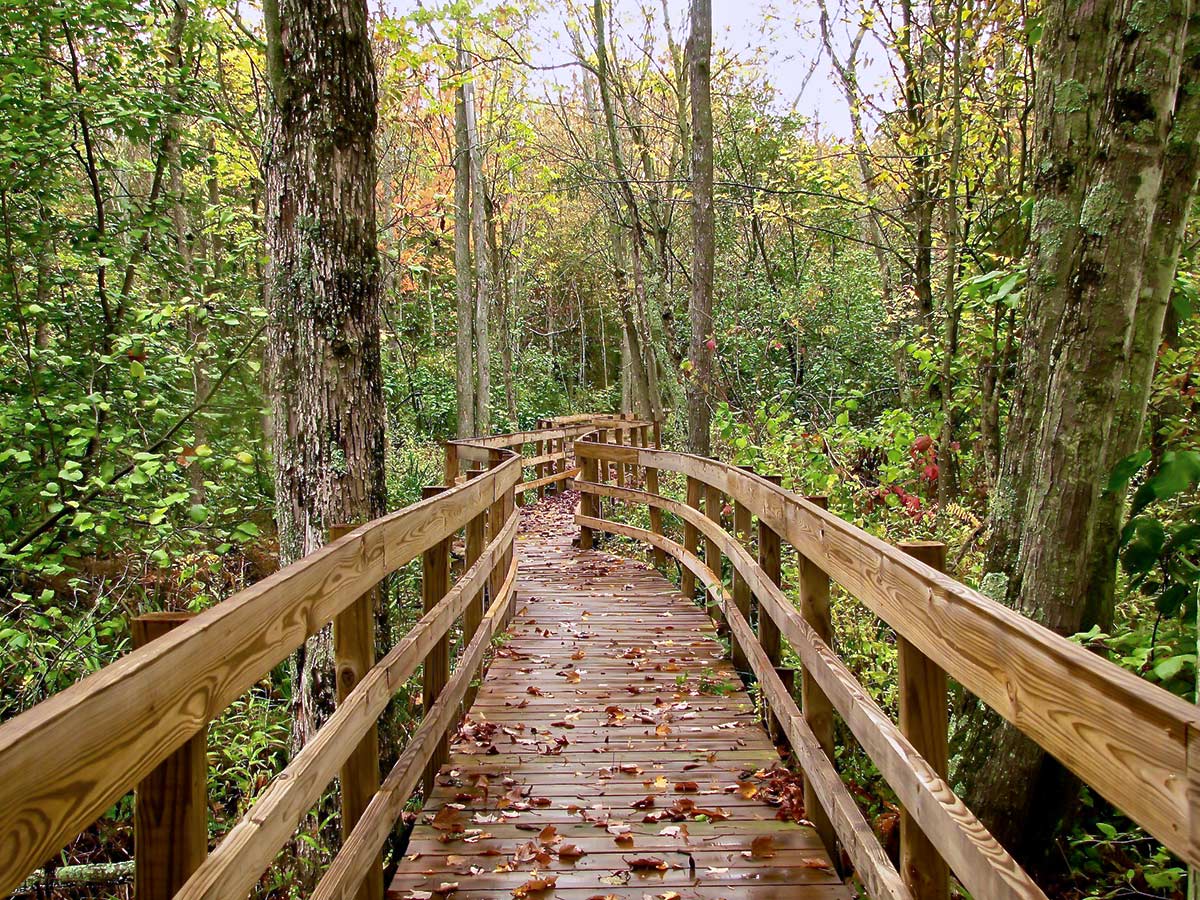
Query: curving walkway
[611, 752]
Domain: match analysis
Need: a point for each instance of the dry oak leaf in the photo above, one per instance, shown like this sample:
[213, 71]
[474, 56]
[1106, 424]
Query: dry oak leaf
[534, 885]
[446, 887]
[686, 787]
[762, 847]
[571, 851]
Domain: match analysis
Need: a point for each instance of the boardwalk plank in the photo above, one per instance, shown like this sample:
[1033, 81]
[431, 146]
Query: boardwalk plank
[609, 712]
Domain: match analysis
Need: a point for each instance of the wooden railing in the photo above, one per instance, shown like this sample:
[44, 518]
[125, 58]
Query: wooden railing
[140, 722]
[1134, 743]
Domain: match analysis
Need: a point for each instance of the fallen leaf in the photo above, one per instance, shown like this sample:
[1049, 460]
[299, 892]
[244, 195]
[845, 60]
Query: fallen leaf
[446, 887]
[762, 847]
[534, 885]
[686, 787]
[571, 851]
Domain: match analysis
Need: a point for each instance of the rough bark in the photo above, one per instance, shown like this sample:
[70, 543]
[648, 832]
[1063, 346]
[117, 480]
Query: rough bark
[464, 380]
[483, 268]
[641, 359]
[699, 383]
[1108, 74]
[322, 289]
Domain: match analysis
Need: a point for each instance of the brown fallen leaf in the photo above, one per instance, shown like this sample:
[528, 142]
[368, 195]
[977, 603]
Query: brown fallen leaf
[686, 787]
[571, 851]
[549, 835]
[762, 847]
[446, 887]
[815, 863]
[534, 885]
[645, 803]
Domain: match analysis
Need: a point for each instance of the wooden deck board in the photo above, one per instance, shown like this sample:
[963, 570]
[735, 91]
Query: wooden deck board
[611, 711]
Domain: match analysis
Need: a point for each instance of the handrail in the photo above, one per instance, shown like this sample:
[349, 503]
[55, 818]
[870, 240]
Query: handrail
[1128, 739]
[68, 759]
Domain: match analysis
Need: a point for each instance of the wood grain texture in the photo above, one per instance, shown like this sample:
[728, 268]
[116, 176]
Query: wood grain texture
[871, 862]
[1122, 735]
[589, 626]
[345, 873]
[65, 761]
[170, 812]
[246, 851]
[924, 720]
[984, 867]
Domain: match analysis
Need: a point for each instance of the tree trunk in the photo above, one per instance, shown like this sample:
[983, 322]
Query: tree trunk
[1108, 77]
[699, 383]
[483, 269]
[464, 380]
[322, 289]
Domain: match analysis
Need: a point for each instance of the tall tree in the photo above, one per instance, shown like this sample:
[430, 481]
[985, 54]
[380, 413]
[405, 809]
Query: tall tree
[483, 259]
[323, 302]
[465, 373]
[1108, 100]
[699, 383]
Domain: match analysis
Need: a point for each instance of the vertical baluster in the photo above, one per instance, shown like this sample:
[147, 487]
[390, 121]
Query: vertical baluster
[691, 537]
[587, 503]
[170, 813]
[435, 581]
[714, 500]
[742, 521]
[924, 719]
[656, 526]
[476, 540]
[354, 655]
[818, 711]
[769, 545]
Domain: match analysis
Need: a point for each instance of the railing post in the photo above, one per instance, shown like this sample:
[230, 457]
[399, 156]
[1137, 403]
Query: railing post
[659, 555]
[354, 655]
[713, 503]
[435, 581]
[691, 538]
[540, 469]
[657, 434]
[473, 614]
[742, 521]
[818, 711]
[924, 720]
[452, 463]
[587, 503]
[769, 545]
[497, 516]
[170, 813]
[619, 440]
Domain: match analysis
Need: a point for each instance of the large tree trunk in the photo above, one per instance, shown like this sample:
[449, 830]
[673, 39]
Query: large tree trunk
[323, 304]
[464, 378]
[1108, 77]
[699, 382]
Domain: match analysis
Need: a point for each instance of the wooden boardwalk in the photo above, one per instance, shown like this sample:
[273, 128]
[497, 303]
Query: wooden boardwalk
[611, 752]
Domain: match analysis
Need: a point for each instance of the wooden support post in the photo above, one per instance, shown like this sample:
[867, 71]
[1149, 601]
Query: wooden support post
[354, 655]
[768, 631]
[435, 581]
[587, 504]
[742, 521]
[924, 720]
[473, 614]
[540, 469]
[818, 711]
[691, 537]
[713, 503]
[619, 435]
[656, 526]
[452, 463]
[508, 504]
[170, 813]
[774, 726]
[657, 435]
[497, 515]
